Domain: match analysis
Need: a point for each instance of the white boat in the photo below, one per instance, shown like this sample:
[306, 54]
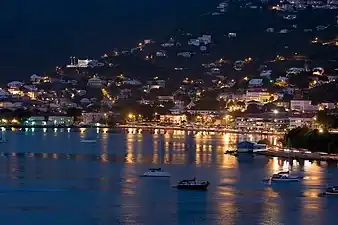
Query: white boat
[156, 172]
[284, 177]
[250, 147]
[88, 141]
[331, 191]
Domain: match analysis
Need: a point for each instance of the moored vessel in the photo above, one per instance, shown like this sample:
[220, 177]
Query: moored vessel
[88, 141]
[156, 172]
[192, 184]
[331, 190]
[284, 177]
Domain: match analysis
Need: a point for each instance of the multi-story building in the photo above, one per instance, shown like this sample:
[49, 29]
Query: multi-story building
[260, 95]
[302, 105]
[175, 119]
[261, 122]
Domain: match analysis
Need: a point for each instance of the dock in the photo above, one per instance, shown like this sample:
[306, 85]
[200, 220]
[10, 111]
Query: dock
[300, 155]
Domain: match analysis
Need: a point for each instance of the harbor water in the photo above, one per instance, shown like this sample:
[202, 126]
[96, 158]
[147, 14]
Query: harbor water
[53, 178]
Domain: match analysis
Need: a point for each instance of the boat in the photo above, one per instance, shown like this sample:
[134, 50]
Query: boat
[88, 141]
[229, 152]
[192, 184]
[331, 190]
[284, 177]
[156, 172]
[250, 147]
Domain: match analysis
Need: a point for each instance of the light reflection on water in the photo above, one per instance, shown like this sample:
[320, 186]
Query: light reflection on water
[102, 180]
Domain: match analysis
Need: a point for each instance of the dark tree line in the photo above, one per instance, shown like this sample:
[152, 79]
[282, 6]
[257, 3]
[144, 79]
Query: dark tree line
[313, 140]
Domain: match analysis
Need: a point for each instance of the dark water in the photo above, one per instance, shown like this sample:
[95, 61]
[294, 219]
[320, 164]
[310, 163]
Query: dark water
[53, 178]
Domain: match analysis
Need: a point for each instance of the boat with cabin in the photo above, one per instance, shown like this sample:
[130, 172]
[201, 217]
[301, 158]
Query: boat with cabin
[284, 177]
[250, 147]
[156, 172]
[88, 141]
[331, 190]
[192, 184]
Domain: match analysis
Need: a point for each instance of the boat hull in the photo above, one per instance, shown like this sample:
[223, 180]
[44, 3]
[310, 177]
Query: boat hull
[192, 187]
[88, 141]
[285, 180]
[331, 193]
[155, 174]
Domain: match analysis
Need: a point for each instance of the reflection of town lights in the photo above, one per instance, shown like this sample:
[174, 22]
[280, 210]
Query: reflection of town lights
[14, 121]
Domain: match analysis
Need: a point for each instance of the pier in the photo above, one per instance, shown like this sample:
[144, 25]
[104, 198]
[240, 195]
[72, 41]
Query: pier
[300, 155]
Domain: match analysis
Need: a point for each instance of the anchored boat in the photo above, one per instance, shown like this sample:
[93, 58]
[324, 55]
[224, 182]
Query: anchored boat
[331, 190]
[156, 172]
[284, 177]
[192, 184]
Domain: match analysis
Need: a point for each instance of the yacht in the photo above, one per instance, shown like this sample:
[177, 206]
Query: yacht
[156, 172]
[250, 147]
[88, 141]
[284, 177]
[331, 190]
[192, 184]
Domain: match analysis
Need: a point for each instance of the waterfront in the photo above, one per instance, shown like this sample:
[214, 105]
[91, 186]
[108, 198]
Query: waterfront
[53, 178]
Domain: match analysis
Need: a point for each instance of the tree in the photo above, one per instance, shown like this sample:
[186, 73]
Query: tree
[327, 121]
[147, 112]
[74, 112]
[300, 80]
[264, 141]
[253, 108]
[22, 114]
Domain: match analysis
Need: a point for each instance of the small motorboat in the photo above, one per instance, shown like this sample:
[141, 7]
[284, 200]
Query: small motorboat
[156, 172]
[331, 190]
[229, 152]
[192, 184]
[88, 141]
[284, 177]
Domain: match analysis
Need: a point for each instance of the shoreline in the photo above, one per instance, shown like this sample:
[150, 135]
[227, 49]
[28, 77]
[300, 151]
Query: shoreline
[143, 128]
[315, 156]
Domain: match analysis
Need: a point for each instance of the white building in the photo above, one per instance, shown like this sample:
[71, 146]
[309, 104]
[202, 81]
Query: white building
[232, 35]
[10, 105]
[36, 79]
[302, 105]
[15, 84]
[84, 63]
[88, 118]
[85, 101]
[266, 73]
[255, 82]
[299, 121]
[184, 54]
[95, 82]
[205, 39]
[132, 82]
[176, 119]
[260, 95]
[4, 94]
[161, 53]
